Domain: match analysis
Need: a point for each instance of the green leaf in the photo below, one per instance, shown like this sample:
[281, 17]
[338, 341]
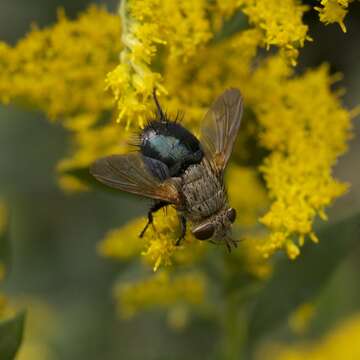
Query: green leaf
[299, 281]
[11, 333]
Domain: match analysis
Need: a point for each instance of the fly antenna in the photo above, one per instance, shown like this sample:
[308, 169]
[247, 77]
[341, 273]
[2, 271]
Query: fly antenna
[158, 106]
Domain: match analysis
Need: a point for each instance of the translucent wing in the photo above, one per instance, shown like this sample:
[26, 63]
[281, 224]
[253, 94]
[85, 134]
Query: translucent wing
[220, 128]
[129, 173]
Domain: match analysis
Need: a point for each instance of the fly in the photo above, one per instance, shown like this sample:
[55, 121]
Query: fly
[174, 168]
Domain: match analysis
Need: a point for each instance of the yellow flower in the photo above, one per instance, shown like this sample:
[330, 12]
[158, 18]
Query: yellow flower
[161, 238]
[41, 329]
[123, 243]
[246, 194]
[160, 290]
[300, 319]
[333, 11]
[166, 45]
[61, 69]
[340, 343]
[158, 244]
[281, 23]
[295, 116]
[181, 26]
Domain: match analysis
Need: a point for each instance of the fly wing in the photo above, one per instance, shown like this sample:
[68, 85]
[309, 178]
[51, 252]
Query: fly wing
[129, 173]
[220, 128]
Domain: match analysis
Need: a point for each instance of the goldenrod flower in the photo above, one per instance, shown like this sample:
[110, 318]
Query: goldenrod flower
[160, 290]
[181, 26]
[340, 343]
[300, 319]
[333, 11]
[296, 116]
[158, 244]
[275, 179]
[61, 69]
[41, 329]
[123, 243]
[247, 195]
[281, 23]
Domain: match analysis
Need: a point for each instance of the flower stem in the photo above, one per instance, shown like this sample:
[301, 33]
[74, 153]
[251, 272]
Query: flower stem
[234, 328]
[234, 315]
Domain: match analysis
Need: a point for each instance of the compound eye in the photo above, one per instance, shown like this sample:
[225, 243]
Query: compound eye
[204, 232]
[231, 214]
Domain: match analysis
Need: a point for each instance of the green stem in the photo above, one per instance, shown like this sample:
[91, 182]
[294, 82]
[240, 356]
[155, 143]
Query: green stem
[234, 328]
[231, 343]
[234, 319]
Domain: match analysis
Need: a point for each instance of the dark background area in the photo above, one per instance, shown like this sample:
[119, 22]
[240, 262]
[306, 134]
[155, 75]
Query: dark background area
[54, 235]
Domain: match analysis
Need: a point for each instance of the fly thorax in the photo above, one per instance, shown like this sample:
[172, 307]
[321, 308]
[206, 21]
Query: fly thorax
[167, 146]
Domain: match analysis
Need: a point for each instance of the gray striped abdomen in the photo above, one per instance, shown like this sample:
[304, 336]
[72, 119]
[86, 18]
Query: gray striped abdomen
[204, 193]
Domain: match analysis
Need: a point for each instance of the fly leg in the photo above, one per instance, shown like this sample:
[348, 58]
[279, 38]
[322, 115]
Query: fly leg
[157, 206]
[231, 243]
[182, 219]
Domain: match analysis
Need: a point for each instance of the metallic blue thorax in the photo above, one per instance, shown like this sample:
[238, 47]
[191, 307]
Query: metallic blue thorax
[167, 147]
[171, 144]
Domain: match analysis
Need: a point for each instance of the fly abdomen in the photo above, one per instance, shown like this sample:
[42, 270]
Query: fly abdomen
[204, 193]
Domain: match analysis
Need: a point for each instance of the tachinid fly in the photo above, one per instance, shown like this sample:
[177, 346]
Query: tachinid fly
[174, 168]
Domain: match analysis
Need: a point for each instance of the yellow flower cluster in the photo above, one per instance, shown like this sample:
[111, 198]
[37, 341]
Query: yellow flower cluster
[296, 116]
[340, 343]
[281, 23]
[160, 290]
[293, 114]
[158, 244]
[166, 44]
[180, 25]
[333, 11]
[246, 194]
[124, 243]
[61, 70]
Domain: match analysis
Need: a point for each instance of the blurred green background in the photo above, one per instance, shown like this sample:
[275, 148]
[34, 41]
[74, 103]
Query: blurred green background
[54, 235]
